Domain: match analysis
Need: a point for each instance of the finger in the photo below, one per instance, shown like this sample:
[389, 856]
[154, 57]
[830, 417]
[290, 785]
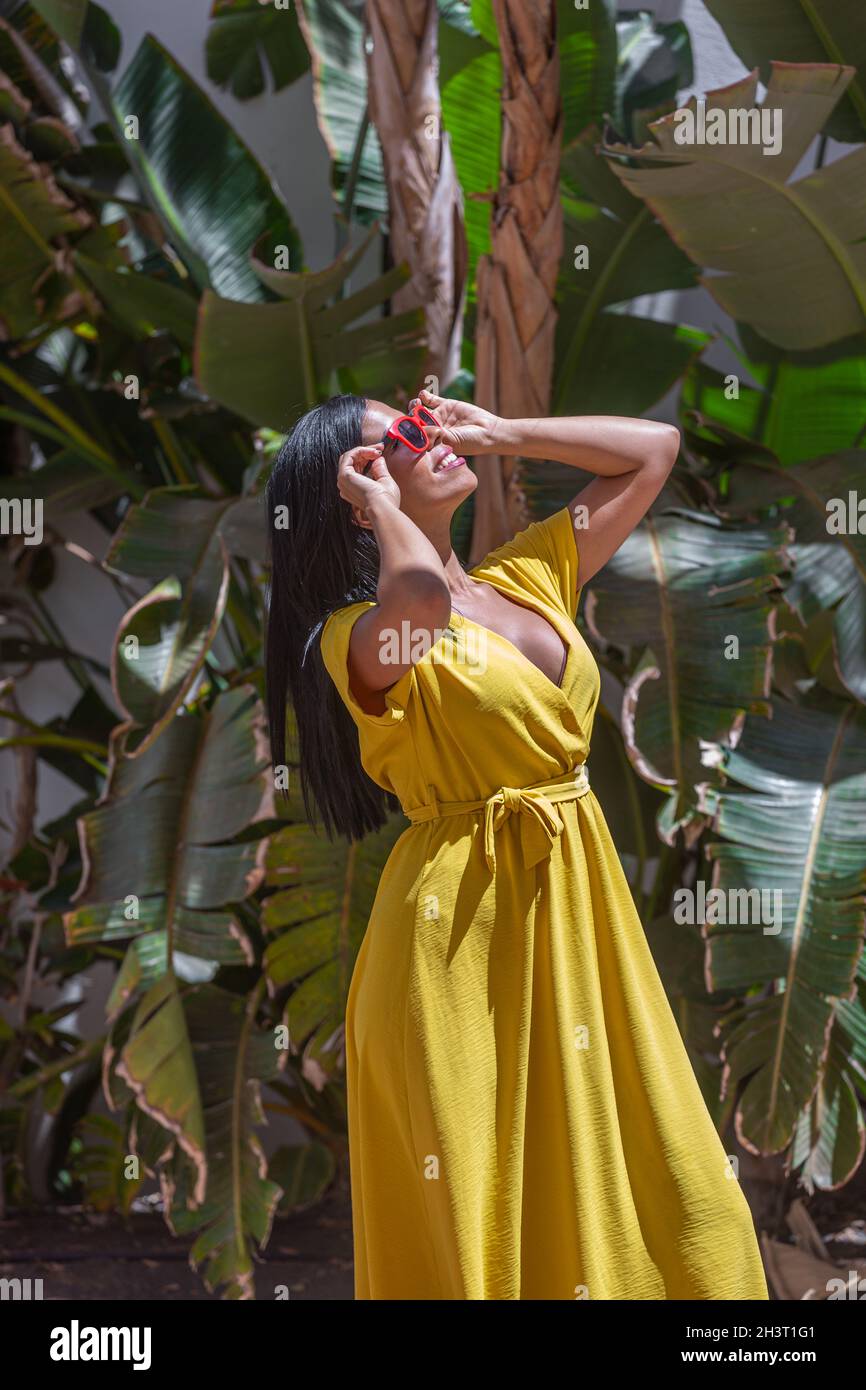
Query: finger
[430, 397]
[370, 466]
[355, 458]
[377, 469]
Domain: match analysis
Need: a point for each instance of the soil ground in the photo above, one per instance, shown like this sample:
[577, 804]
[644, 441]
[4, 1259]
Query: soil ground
[87, 1256]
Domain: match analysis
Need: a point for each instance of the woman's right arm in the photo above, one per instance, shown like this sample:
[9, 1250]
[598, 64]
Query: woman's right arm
[413, 601]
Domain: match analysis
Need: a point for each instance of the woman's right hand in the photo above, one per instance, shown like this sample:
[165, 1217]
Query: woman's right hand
[360, 488]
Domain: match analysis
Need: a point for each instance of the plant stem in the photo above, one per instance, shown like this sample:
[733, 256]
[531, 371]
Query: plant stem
[34, 1080]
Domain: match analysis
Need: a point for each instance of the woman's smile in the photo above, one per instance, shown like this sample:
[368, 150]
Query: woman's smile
[450, 460]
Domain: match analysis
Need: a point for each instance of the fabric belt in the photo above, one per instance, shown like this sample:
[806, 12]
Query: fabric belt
[540, 822]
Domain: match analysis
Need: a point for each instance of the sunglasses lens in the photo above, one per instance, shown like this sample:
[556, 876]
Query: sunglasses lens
[425, 416]
[411, 433]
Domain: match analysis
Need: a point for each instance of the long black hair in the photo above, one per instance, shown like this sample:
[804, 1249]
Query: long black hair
[320, 561]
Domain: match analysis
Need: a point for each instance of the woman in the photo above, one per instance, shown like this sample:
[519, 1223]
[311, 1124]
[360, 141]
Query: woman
[524, 1122]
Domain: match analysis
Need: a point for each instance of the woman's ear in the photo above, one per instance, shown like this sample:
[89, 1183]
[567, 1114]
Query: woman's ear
[359, 516]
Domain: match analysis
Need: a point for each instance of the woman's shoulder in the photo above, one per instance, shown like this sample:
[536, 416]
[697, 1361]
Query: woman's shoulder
[542, 558]
[336, 634]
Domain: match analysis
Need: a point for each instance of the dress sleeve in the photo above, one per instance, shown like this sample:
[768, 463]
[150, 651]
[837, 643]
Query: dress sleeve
[543, 559]
[335, 654]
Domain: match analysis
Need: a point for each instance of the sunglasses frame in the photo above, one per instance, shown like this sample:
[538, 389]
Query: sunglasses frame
[393, 432]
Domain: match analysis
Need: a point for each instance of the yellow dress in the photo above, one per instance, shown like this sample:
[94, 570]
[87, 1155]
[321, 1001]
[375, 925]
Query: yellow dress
[524, 1122]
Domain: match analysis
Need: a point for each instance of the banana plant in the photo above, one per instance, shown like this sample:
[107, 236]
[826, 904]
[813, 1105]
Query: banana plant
[736, 212]
[316, 918]
[791, 816]
[184, 542]
[245, 38]
[39, 281]
[245, 353]
[232, 1210]
[100, 1164]
[830, 1137]
[162, 864]
[819, 500]
[792, 32]
[214, 197]
[685, 595]
[802, 405]
[333, 31]
[614, 251]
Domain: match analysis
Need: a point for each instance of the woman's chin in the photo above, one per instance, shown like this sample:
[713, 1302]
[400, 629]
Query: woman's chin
[461, 481]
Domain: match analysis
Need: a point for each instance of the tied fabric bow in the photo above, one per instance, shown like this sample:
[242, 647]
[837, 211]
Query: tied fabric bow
[540, 823]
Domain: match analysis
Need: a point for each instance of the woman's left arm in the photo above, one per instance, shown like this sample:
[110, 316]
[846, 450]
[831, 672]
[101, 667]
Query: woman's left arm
[631, 457]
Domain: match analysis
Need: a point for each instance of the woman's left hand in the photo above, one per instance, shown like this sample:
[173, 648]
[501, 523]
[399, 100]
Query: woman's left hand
[466, 428]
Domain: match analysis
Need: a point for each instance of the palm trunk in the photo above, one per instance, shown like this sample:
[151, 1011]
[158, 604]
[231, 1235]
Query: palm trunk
[424, 197]
[517, 281]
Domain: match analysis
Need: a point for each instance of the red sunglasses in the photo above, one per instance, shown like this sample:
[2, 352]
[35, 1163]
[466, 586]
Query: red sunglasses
[411, 430]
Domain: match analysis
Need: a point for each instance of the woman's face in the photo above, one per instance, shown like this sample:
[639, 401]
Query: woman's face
[431, 483]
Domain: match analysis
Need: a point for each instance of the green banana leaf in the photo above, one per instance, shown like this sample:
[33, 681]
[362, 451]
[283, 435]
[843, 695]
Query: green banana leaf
[830, 1136]
[246, 37]
[167, 529]
[189, 538]
[679, 591]
[654, 62]
[74, 744]
[139, 303]
[792, 822]
[37, 218]
[161, 843]
[609, 361]
[214, 198]
[157, 1066]
[232, 1058]
[271, 362]
[472, 117]
[799, 409]
[803, 31]
[85, 27]
[163, 640]
[334, 34]
[14, 105]
[829, 578]
[317, 918]
[588, 56]
[100, 1166]
[67, 483]
[304, 1172]
[735, 211]
[29, 57]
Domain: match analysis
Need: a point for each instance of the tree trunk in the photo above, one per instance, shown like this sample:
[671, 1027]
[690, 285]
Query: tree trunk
[424, 197]
[517, 281]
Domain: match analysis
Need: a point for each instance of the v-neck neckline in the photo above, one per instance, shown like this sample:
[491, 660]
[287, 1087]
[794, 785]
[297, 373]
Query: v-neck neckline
[569, 647]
